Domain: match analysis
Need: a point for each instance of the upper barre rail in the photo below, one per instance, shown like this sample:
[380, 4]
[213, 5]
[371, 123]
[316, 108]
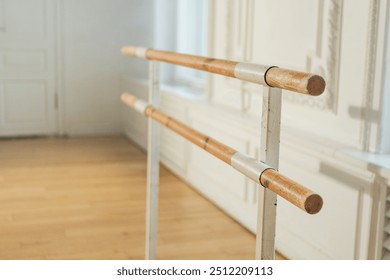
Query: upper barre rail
[261, 173]
[273, 76]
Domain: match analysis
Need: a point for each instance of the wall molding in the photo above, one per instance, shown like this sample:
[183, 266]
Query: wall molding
[239, 47]
[325, 60]
[370, 73]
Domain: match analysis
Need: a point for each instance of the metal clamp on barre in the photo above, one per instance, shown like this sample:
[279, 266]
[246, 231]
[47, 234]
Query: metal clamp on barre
[259, 172]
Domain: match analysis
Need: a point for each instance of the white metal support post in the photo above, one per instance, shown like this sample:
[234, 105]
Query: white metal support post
[269, 154]
[153, 165]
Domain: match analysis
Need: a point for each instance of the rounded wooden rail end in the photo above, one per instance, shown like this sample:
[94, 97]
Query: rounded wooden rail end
[305, 83]
[313, 203]
[293, 192]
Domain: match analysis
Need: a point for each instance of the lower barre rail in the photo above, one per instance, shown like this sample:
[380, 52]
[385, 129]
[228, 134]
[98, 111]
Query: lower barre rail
[259, 172]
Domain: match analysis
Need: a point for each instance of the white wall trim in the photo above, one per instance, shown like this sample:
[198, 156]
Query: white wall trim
[325, 60]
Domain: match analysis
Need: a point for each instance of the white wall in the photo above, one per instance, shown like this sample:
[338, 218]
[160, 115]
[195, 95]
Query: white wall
[92, 68]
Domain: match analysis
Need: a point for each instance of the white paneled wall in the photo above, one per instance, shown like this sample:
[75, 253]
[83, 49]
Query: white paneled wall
[322, 137]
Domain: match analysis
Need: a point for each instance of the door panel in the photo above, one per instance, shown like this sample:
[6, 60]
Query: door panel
[27, 67]
[19, 97]
[28, 62]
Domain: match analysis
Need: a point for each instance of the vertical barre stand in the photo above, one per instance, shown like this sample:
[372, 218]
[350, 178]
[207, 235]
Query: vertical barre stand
[153, 166]
[269, 154]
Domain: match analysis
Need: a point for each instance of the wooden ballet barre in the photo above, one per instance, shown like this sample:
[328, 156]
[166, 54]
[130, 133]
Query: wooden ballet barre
[261, 173]
[272, 76]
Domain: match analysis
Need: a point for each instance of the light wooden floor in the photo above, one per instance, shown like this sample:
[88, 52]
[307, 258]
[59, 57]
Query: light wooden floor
[85, 199]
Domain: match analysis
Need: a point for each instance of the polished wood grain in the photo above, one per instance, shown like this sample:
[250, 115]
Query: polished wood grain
[292, 80]
[292, 191]
[301, 82]
[217, 66]
[85, 199]
[203, 141]
[212, 65]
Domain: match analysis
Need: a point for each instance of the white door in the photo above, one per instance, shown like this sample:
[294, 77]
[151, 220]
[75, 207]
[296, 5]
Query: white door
[27, 67]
